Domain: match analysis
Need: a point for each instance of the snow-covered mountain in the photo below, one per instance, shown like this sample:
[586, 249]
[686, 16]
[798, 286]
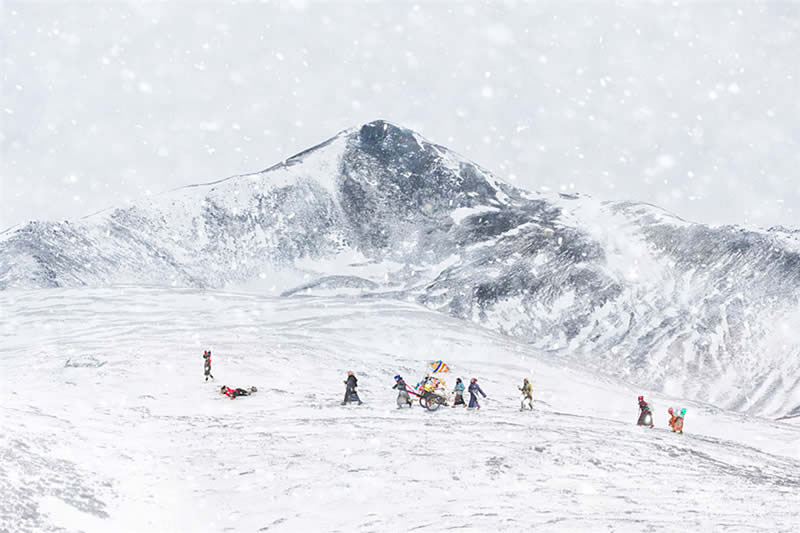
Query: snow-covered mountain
[622, 288]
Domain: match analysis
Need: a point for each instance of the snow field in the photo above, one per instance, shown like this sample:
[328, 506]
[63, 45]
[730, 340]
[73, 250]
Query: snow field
[142, 443]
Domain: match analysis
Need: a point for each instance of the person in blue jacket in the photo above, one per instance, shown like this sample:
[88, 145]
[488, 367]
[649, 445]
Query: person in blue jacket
[474, 389]
[459, 393]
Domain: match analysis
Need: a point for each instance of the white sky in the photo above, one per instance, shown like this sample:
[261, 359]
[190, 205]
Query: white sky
[692, 107]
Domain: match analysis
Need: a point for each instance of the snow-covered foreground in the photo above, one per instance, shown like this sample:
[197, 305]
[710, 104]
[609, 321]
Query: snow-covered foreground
[128, 436]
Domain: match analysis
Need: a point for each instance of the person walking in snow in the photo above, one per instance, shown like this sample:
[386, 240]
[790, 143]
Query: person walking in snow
[207, 364]
[527, 395]
[677, 424]
[672, 418]
[459, 393]
[474, 390]
[645, 416]
[350, 394]
[403, 398]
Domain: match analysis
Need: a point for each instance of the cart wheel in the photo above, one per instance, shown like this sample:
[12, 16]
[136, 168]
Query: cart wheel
[423, 402]
[433, 405]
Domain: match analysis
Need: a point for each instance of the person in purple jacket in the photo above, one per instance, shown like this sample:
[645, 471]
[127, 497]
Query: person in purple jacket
[474, 389]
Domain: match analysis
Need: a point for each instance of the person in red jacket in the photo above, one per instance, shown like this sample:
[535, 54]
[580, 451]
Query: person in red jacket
[235, 393]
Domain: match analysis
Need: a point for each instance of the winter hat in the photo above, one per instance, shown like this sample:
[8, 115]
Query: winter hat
[398, 377]
[670, 410]
[683, 412]
[473, 380]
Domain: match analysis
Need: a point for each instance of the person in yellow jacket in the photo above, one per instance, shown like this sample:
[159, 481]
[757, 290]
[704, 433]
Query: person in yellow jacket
[527, 395]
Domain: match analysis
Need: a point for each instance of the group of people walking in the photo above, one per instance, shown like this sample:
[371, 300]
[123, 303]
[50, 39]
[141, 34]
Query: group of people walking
[430, 385]
[405, 392]
[646, 417]
[433, 386]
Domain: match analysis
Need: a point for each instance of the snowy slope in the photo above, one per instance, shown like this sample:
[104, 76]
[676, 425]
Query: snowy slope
[623, 288]
[128, 437]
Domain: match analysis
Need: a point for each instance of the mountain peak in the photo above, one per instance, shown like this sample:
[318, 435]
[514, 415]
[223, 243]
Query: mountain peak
[377, 209]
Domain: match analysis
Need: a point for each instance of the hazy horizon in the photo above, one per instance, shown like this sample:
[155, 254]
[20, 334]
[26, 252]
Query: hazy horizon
[689, 107]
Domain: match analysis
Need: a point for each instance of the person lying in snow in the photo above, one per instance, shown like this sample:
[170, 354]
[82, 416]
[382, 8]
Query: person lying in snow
[235, 393]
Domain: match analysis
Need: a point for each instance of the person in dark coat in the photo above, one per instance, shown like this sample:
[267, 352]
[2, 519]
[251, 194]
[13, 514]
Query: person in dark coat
[645, 416]
[403, 398]
[459, 393]
[474, 389]
[350, 394]
[207, 364]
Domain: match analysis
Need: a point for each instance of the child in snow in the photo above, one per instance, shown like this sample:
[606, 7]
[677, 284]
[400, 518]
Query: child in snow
[527, 395]
[677, 425]
[403, 398]
[420, 386]
[350, 394]
[474, 389]
[459, 393]
[235, 393]
[645, 416]
[207, 364]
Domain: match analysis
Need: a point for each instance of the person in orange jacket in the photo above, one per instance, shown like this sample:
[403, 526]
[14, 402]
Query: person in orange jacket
[676, 421]
[672, 418]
